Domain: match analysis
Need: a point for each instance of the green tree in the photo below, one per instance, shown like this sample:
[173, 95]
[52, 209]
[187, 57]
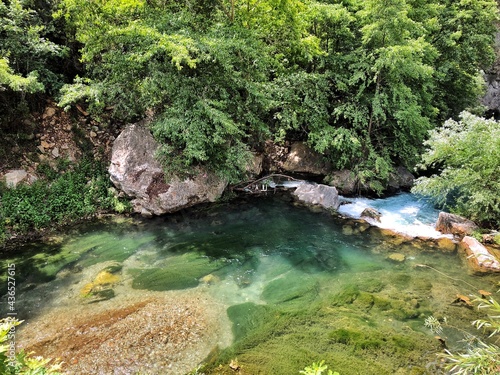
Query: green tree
[467, 154]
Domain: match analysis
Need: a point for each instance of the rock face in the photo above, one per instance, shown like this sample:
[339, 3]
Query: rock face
[318, 194]
[135, 171]
[344, 181]
[478, 256]
[454, 224]
[401, 178]
[302, 159]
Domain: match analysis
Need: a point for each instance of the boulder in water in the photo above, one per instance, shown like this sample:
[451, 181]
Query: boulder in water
[479, 257]
[135, 171]
[318, 194]
[453, 224]
[371, 213]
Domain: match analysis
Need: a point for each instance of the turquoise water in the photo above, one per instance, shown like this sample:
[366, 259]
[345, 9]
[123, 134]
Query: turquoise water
[291, 286]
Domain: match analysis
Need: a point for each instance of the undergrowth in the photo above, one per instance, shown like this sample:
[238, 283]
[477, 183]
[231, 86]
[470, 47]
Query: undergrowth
[62, 194]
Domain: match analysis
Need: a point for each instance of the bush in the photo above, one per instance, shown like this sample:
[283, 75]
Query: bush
[480, 356]
[78, 193]
[467, 153]
[20, 363]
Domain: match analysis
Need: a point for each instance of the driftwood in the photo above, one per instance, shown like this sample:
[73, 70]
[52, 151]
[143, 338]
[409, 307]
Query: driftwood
[267, 183]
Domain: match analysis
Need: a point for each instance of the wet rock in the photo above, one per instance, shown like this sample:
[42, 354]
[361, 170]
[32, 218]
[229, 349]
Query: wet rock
[318, 194]
[371, 213]
[136, 172]
[453, 224]
[479, 257]
[344, 181]
[303, 159]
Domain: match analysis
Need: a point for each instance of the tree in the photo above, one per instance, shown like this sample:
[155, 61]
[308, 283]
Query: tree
[467, 154]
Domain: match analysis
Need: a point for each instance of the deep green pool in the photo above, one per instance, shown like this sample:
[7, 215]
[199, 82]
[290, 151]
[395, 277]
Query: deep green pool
[297, 286]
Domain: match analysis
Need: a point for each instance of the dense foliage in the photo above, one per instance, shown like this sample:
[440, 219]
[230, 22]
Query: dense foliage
[467, 154]
[60, 197]
[361, 81]
[30, 62]
[21, 363]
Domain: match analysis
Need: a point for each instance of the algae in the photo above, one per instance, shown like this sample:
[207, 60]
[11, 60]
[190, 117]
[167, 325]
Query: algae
[180, 272]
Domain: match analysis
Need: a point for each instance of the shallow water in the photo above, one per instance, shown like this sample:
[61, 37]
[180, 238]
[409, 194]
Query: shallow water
[273, 286]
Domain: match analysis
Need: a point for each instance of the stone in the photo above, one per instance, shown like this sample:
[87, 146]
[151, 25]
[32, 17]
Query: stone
[371, 213]
[344, 181]
[45, 144]
[453, 224]
[254, 166]
[41, 149]
[14, 177]
[303, 159]
[397, 257]
[318, 194]
[49, 112]
[93, 134]
[400, 179]
[478, 256]
[55, 152]
[135, 171]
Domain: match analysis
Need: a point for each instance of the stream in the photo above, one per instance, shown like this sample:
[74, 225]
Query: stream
[263, 284]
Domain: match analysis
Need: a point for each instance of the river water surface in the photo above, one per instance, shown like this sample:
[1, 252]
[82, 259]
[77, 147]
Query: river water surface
[263, 284]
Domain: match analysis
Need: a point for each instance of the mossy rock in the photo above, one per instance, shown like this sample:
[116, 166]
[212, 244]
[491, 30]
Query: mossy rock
[371, 285]
[180, 272]
[291, 287]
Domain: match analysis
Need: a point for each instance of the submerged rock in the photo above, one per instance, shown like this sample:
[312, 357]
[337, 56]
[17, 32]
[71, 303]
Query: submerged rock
[135, 171]
[453, 224]
[397, 257]
[318, 194]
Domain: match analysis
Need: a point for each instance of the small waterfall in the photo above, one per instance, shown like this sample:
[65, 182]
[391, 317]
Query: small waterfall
[404, 213]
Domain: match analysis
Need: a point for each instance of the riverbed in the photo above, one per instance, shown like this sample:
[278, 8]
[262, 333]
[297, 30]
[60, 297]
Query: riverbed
[264, 284]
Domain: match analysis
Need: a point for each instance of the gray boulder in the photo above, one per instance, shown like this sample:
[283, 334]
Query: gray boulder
[318, 194]
[371, 213]
[17, 176]
[344, 180]
[135, 171]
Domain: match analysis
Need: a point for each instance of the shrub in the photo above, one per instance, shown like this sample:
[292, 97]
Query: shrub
[21, 363]
[467, 153]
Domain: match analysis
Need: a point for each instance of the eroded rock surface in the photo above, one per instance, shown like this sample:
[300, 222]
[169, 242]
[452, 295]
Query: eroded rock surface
[135, 171]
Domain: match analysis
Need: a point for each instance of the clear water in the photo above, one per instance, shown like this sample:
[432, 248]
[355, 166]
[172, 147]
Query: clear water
[263, 283]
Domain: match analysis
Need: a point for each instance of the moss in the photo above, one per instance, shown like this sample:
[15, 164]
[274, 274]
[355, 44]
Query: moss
[347, 296]
[371, 285]
[247, 317]
[180, 272]
[291, 288]
[364, 301]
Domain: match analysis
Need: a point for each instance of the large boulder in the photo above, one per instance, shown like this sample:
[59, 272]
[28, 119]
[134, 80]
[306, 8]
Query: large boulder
[454, 224]
[318, 194]
[303, 159]
[135, 171]
[401, 178]
[479, 257]
[344, 180]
